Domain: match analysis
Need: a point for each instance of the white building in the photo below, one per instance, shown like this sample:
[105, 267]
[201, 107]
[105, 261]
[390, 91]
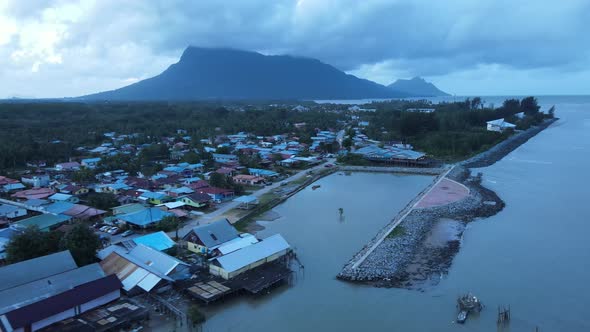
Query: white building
[499, 125]
[249, 257]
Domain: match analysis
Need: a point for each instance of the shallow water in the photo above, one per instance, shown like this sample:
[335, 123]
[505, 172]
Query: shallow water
[532, 255]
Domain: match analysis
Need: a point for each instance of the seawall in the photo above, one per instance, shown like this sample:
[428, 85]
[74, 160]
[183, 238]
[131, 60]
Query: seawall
[406, 260]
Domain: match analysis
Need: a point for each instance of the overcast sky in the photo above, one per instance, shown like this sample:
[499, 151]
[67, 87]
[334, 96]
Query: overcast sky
[53, 48]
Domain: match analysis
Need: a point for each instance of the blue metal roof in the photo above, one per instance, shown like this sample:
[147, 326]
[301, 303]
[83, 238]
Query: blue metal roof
[159, 241]
[145, 217]
[59, 207]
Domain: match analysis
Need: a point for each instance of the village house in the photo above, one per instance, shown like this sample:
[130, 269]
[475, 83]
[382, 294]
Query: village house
[35, 193]
[265, 173]
[90, 162]
[11, 211]
[218, 195]
[154, 198]
[36, 180]
[45, 222]
[127, 208]
[268, 250]
[180, 191]
[159, 241]
[41, 291]
[142, 269]
[112, 188]
[12, 187]
[59, 197]
[225, 158]
[73, 189]
[499, 125]
[195, 200]
[251, 180]
[144, 218]
[205, 238]
[69, 166]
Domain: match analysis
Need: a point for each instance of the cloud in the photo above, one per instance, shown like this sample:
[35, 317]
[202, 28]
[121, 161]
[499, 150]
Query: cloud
[61, 48]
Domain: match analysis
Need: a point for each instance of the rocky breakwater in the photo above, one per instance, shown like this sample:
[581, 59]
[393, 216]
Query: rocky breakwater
[404, 258]
[503, 148]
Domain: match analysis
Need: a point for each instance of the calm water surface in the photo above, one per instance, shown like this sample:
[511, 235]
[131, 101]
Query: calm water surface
[533, 255]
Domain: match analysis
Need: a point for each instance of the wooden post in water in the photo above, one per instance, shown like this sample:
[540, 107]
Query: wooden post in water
[503, 315]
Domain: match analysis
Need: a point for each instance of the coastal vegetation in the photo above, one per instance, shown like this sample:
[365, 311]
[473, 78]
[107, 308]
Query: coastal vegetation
[451, 131]
[52, 132]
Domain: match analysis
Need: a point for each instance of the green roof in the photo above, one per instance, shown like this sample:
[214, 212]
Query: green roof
[44, 221]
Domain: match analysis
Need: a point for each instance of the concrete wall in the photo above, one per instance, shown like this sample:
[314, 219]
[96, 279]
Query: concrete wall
[218, 271]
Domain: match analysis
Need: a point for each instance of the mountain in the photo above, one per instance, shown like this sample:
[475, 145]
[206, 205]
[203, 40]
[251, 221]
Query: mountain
[417, 86]
[220, 73]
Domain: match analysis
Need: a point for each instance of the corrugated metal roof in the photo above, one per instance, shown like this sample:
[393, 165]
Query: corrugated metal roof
[155, 260]
[51, 306]
[144, 217]
[60, 197]
[238, 243]
[253, 253]
[216, 233]
[44, 221]
[40, 289]
[34, 269]
[159, 241]
[59, 207]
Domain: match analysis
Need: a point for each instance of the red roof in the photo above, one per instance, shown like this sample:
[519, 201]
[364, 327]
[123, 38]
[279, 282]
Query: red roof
[4, 181]
[198, 185]
[35, 193]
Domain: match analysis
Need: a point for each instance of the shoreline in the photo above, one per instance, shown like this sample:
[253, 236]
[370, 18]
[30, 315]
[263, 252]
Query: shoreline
[404, 258]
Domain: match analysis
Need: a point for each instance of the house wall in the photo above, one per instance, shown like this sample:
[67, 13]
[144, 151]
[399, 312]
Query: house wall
[110, 297]
[53, 319]
[218, 271]
[196, 248]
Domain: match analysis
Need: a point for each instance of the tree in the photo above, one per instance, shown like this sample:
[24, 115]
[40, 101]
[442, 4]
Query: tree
[83, 175]
[476, 103]
[32, 243]
[82, 242]
[529, 106]
[347, 143]
[168, 224]
[103, 201]
[217, 180]
[191, 157]
[223, 150]
[552, 112]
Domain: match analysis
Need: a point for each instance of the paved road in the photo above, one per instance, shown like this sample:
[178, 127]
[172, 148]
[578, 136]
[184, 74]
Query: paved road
[225, 207]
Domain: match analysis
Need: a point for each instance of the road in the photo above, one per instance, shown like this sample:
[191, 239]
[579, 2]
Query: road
[225, 207]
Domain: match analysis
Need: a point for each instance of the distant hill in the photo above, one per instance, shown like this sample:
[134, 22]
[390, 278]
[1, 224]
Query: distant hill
[219, 73]
[417, 86]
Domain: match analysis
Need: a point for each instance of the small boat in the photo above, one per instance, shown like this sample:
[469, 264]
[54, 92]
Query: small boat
[315, 187]
[467, 303]
[462, 316]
